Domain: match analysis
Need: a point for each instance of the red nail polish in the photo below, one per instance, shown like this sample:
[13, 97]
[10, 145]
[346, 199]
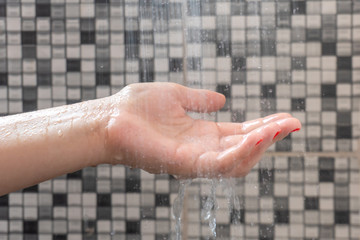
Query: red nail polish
[295, 130]
[259, 142]
[276, 134]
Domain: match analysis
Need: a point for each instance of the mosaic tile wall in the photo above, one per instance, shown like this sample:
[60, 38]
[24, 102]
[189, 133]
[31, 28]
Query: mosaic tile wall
[301, 57]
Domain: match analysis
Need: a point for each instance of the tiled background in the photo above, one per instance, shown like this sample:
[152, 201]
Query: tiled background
[301, 57]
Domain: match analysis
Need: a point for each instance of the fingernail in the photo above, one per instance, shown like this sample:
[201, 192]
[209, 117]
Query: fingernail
[276, 134]
[259, 142]
[295, 130]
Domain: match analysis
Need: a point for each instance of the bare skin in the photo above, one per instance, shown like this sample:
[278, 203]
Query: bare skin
[143, 126]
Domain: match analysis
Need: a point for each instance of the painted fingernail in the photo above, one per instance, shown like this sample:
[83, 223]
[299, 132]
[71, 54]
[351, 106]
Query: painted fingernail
[276, 134]
[295, 130]
[259, 142]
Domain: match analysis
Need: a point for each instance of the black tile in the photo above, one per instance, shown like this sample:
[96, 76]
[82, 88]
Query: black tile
[132, 227]
[29, 51]
[28, 37]
[194, 36]
[31, 189]
[268, 48]
[176, 64]
[298, 104]
[266, 189]
[59, 237]
[344, 76]
[266, 232]
[313, 35]
[162, 200]
[89, 227]
[344, 63]
[73, 65]
[311, 203]
[2, 10]
[328, 48]
[29, 93]
[75, 175]
[87, 24]
[158, 236]
[132, 51]
[224, 89]
[253, 8]
[103, 212]
[147, 212]
[44, 79]
[268, 91]
[43, 10]
[223, 49]
[238, 8]
[193, 64]
[222, 231]
[87, 37]
[237, 216]
[3, 79]
[343, 118]
[193, 8]
[342, 203]
[326, 163]
[104, 200]
[328, 104]
[238, 116]
[43, 66]
[175, 10]
[4, 213]
[133, 185]
[238, 77]
[208, 35]
[89, 184]
[281, 216]
[298, 7]
[30, 226]
[60, 199]
[343, 132]
[266, 175]
[29, 105]
[327, 232]
[283, 145]
[328, 90]
[103, 78]
[4, 200]
[298, 63]
[132, 37]
[238, 64]
[342, 217]
[326, 175]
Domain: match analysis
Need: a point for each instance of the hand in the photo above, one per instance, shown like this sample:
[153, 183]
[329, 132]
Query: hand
[150, 129]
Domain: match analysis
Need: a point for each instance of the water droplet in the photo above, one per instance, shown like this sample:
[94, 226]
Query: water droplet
[60, 133]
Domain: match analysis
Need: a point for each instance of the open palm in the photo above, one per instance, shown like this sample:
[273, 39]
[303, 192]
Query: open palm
[150, 129]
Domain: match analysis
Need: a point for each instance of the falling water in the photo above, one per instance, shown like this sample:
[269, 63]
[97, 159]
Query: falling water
[178, 207]
[208, 211]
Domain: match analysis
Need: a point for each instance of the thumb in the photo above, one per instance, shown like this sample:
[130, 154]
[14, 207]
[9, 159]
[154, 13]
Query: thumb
[201, 100]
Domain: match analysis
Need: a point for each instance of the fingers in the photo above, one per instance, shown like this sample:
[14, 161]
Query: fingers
[270, 134]
[248, 126]
[200, 100]
[242, 152]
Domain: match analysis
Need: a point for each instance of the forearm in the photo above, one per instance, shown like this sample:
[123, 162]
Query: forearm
[40, 145]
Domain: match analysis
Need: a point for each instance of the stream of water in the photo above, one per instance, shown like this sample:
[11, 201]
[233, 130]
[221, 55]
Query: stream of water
[210, 207]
